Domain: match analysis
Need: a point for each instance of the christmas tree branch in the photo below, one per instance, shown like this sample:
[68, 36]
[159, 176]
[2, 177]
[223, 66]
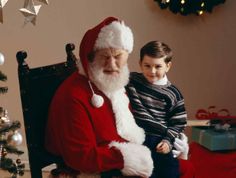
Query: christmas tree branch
[3, 77]
[14, 150]
[13, 126]
[3, 90]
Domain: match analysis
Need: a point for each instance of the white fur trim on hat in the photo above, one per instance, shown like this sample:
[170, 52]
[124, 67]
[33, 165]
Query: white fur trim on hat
[125, 123]
[115, 35]
[137, 159]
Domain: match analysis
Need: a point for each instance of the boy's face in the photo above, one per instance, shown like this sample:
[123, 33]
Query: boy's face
[154, 69]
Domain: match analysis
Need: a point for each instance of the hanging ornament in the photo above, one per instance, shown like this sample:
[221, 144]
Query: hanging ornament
[44, 1]
[1, 59]
[4, 120]
[2, 4]
[30, 11]
[14, 139]
[18, 161]
[4, 152]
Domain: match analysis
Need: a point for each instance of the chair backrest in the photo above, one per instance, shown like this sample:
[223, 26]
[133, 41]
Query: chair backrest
[37, 87]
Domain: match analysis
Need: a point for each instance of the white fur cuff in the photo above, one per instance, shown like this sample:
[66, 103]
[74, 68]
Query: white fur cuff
[137, 159]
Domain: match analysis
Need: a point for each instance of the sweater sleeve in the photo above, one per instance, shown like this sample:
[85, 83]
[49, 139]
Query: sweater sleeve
[177, 120]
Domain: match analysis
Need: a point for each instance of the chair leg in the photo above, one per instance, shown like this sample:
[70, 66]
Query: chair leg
[36, 172]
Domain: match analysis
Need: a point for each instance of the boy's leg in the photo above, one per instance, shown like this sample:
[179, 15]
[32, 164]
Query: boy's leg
[168, 166]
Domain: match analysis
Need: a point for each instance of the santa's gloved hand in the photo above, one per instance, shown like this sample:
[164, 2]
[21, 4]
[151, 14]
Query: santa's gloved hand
[181, 146]
[137, 159]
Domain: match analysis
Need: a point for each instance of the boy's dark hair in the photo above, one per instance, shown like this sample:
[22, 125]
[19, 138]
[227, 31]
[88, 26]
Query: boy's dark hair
[156, 49]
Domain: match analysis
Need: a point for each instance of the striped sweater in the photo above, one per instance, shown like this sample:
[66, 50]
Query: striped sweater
[158, 109]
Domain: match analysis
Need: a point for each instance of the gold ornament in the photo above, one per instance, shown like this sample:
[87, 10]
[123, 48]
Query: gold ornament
[18, 161]
[4, 152]
[4, 120]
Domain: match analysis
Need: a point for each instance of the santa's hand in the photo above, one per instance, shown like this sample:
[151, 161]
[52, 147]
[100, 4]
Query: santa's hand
[137, 159]
[181, 146]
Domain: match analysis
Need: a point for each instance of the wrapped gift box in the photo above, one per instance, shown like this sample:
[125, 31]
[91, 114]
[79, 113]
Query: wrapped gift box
[214, 140]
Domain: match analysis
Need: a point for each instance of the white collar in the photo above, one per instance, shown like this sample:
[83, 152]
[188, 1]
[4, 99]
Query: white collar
[162, 81]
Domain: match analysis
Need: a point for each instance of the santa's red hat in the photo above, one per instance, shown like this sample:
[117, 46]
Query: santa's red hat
[110, 33]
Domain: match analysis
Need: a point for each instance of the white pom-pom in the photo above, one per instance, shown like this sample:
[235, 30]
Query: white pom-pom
[1, 59]
[97, 100]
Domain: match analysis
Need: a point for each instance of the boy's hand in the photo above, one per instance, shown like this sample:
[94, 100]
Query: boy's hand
[163, 147]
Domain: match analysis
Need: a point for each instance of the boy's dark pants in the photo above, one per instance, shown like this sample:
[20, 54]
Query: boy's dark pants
[165, 165]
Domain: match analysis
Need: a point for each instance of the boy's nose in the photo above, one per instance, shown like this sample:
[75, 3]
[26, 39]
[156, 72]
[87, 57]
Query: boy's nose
[153, 70]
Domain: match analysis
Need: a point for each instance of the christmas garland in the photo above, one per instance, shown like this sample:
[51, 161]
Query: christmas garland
[186, 7]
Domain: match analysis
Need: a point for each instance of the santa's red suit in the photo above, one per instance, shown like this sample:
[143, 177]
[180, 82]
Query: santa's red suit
[90, 139]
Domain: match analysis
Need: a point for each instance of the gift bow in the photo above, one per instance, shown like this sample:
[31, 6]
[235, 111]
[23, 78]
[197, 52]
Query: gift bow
[209, 114]
[223, 115]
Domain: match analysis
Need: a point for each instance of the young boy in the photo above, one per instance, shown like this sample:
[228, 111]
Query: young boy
[158, 107]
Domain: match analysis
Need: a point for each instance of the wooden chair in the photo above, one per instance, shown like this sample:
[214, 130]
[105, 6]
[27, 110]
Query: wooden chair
[37, 87]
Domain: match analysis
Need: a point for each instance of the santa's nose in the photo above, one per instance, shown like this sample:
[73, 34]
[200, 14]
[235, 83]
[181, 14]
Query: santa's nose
[111, 63]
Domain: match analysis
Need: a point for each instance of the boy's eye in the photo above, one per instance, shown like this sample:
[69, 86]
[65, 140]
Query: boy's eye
[158, 66]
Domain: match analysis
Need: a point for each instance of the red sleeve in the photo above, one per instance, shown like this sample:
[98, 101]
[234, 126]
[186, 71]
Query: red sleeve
[78, 145]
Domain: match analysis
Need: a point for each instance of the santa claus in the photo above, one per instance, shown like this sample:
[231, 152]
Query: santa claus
[90, 125]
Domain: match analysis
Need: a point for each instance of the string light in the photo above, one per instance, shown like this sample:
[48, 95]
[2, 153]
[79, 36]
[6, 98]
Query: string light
[200, 12]
[202, 4]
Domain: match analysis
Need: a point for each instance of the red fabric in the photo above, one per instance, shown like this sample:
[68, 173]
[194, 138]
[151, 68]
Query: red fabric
[212, 164]
[187, 169]
[89, 39]
[81, 133]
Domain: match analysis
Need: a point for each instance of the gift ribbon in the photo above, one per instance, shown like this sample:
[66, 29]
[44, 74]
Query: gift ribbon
[222, 115]
[231, 140]
[209, 114]
[201, 134]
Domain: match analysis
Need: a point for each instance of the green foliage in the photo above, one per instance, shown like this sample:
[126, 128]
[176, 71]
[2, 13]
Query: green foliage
[186, 7]
[3, 78]
[15, 168]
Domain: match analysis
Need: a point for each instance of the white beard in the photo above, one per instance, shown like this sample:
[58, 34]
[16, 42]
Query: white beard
[108, 83]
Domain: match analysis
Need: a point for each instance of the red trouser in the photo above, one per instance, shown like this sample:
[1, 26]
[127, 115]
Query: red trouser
[187, 169]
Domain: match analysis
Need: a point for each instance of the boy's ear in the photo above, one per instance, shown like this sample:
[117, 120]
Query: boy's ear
[169, 64]
[140, 62]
